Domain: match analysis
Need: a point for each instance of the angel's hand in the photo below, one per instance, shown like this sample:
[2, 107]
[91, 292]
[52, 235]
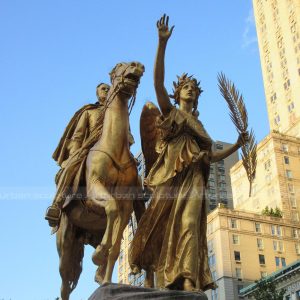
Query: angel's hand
[163, 28]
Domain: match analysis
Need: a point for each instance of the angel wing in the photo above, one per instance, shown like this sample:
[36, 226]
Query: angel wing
[149, 134]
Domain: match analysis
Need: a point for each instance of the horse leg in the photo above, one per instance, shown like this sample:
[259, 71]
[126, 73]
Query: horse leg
[70, 250]
[117, 235]
[100, 197]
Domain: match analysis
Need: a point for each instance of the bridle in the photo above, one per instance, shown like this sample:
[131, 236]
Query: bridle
[117, 90]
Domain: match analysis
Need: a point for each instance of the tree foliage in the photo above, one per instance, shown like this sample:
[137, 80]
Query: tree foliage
[272, 212]
[266, 290]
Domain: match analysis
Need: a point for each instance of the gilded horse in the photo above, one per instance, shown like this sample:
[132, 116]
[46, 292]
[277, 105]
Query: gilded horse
[111, 189]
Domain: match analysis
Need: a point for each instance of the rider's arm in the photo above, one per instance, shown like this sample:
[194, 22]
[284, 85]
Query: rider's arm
[79, 133]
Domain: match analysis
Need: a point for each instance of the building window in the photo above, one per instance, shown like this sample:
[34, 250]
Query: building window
[287, 84]
[221, 170]
[238, 272]
[280, 246]
[222, 185]
[257, 228]
[286, 160]
[277, 261]
[295, 216]
[261, 259]
[297, 248]
[276, 230]
[221, 162]
[285, 148]
[219, 146]
[289, 174]
[235, 239]
[277, 119]
[293, 201]
[267, 164]
[237, 255]
[291, 187]
[273, 229]
[222, 178]
[291, 106]
[273, 97]
[260, 244]
[233, 223]
[279, 232]
[295, 233]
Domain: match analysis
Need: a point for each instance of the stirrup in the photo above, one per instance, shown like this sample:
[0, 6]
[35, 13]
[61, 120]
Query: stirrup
[53, 215]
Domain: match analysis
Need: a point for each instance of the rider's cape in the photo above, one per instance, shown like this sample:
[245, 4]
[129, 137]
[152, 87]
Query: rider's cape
[61, 152]
[69, 178]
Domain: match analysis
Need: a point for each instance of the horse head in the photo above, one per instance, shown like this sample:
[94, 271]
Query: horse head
[125, 77]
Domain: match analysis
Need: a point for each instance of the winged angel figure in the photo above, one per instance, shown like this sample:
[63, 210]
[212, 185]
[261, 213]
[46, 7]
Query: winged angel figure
[171, 236]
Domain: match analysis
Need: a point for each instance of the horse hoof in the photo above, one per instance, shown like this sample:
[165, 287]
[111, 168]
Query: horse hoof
[100, 255]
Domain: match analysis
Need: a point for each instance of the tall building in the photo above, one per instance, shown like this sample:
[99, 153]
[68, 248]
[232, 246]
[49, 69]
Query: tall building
[244, 247]
[124, 271]
[278, 31]
[219, 185]
[219, 191]
[277, 180]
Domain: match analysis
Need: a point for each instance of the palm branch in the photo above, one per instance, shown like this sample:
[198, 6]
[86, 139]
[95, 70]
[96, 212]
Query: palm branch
[239, 117]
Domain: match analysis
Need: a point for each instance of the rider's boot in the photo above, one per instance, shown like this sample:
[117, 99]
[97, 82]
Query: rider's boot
[53, 215]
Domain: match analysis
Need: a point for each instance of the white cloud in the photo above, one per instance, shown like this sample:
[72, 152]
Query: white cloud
[249, 33]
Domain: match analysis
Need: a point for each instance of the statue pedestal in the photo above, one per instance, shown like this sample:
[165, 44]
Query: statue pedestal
[115, 291]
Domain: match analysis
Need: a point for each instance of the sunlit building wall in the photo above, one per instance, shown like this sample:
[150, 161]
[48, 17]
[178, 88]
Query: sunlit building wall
[277, 180]
[278, 31]
[244, 247]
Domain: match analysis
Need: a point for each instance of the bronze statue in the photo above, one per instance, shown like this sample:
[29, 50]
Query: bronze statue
[86, 122]
[171, 235]
[100, 189]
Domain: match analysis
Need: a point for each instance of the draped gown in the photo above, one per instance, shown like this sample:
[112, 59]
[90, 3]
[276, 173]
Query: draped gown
[171, 236]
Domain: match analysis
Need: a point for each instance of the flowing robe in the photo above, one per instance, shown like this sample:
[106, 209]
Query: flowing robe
[171, 236]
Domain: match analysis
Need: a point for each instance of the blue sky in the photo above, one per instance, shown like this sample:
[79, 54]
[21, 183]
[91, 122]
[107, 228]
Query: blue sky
[52, 56]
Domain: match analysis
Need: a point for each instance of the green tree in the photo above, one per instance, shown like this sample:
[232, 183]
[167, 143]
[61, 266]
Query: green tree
[272, 212]
[266, 290]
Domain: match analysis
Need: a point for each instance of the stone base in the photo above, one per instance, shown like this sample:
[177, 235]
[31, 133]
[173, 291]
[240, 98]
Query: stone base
[115, 291]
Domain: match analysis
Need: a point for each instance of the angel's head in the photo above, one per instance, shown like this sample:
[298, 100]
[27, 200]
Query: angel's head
[186, 89]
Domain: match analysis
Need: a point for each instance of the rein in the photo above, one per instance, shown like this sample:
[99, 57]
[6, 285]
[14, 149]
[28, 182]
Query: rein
[117, 89]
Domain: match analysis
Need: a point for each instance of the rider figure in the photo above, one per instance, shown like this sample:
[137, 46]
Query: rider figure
[87, 120]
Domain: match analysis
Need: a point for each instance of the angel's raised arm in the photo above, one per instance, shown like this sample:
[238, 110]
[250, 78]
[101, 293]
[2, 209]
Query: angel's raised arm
[159, 68]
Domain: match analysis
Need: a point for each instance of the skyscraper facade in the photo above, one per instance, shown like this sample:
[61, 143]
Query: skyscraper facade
[278, 31]
[219, 185]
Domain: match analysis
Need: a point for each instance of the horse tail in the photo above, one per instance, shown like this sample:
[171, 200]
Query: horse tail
[70, 248]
